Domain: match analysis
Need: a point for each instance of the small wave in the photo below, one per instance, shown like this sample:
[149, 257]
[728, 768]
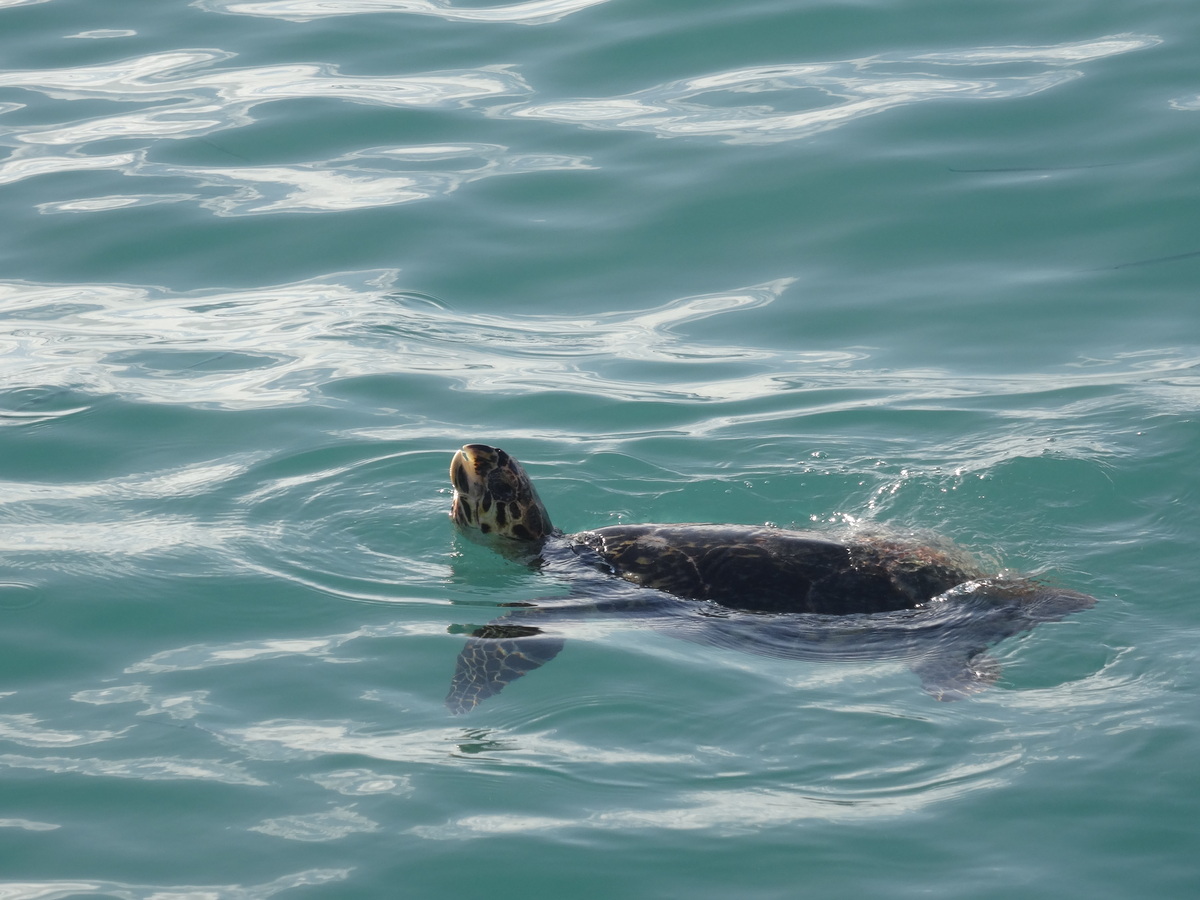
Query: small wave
[152, 345]
[301, 739]
[157, 346]
[157, 768]
[190, 75]
[732, 812]
[177, 706]
[329, 825]
[363, 782]
[28, 825]
[64, 890]
[189, 96]
[26, 730]
[339, 184]
[531, 12]
[104, 546]
[822, 96]
[102, 34]
[204, 656]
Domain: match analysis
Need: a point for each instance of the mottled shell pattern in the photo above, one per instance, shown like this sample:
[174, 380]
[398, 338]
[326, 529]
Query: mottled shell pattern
[494, 499]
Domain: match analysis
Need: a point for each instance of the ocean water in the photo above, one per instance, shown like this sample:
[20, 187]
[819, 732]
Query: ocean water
[266, 264]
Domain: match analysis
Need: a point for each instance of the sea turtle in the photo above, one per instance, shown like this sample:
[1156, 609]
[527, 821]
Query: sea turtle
[764, 590]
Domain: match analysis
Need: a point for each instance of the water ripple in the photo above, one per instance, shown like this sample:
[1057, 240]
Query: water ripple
[531, 12]
[18, 167]
[296, 739]
[736, 811]
[204, 656]
[28, 825]
[104, 526]
[188, 75]
[180, 706]
[282, 345]
[24, 729]
[156, 768]
[185, 96]
[162, 347]
[64, 890]
[363, 782]
[102, 33]
[828, 95]
[323, 826]
[337, 184]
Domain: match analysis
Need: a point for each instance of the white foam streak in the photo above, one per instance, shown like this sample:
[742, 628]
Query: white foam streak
[188, 75]
[338, 184]
[82, 526]
[102, 33]
[363, 782]
[185, 95]
[204, 656]
[24, 729]
[26, 825]
[323, 826]
[19, 167]
[737, 811]
[134, 536]
[830, 94]
[156, 346]
[180, 706]
[299, 739]
[1053, 54]
[532, 12]
[158, 768]
[280, 345]
[65, 890]
[189, 98]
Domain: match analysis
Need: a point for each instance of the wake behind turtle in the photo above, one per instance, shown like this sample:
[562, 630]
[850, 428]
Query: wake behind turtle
[768, 591]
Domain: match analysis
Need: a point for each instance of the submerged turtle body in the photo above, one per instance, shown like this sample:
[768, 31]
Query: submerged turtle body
[764, 590]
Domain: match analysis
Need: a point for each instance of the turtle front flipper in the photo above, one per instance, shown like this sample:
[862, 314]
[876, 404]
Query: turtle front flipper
[494, 656]
[956, 676]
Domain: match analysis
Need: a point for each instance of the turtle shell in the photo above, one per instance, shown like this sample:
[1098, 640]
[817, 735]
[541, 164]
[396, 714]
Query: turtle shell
[772, 570]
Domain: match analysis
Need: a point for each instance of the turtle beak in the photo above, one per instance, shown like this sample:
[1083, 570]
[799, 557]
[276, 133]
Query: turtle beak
[482, 456]
[458, 472]
[461, 467]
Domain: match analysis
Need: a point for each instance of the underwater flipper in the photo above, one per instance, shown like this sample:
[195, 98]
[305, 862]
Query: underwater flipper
[503, 650]
[947, 639]
[993, 609]
[957, 676]
[493, 656]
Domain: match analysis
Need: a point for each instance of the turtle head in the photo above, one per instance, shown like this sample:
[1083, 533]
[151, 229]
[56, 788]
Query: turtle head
[495, 500]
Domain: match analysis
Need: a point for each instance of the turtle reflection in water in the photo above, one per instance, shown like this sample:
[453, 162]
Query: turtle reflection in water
[768, 591]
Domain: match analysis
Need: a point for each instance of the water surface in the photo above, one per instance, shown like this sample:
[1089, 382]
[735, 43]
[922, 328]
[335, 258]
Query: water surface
[267, 264]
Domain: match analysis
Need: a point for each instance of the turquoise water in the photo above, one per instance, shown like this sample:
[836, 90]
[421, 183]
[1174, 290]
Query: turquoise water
[266, 264]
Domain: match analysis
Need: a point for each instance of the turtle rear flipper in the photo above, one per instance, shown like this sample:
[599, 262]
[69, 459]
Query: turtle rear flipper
[493, 656]
[957, 676]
